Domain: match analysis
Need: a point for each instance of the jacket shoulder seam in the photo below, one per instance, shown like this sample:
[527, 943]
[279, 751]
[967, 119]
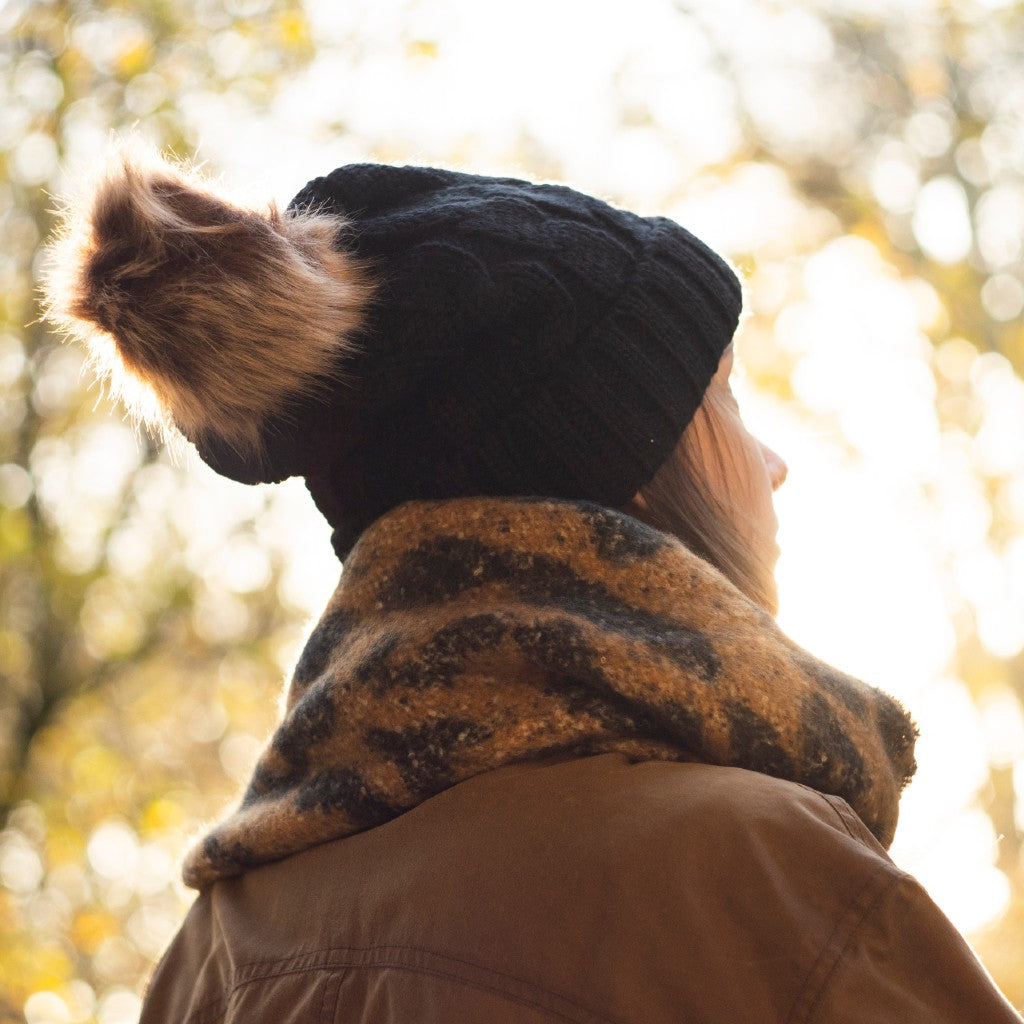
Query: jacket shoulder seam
[853, 824]
[839, 942]
[842, 810]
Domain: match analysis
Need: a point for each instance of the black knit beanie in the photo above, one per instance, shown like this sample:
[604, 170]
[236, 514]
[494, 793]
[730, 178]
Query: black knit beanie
[521, 339]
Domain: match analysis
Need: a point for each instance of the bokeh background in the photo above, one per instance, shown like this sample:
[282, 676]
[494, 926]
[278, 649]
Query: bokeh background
[861, 161]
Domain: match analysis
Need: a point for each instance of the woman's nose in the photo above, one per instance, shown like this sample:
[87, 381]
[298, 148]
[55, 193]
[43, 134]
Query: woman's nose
[777, 468]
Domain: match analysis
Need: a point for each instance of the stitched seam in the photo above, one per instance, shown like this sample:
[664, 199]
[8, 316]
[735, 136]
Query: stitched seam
[837, 945]
[589, 1016]
[328, 1013]
[841, 816]
[314, 955]
[842, 809]
[322, 959]
[849, 940]
[215, 1009]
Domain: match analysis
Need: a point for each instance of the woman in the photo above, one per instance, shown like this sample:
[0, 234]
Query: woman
[546, 756]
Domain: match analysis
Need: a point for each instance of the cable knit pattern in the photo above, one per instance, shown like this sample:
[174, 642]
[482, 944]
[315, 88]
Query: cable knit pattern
[471, 633]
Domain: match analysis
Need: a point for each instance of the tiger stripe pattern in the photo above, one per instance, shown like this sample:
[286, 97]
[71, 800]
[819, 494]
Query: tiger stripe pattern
[472, 633]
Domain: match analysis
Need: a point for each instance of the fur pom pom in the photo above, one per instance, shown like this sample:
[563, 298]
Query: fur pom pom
[219, 313]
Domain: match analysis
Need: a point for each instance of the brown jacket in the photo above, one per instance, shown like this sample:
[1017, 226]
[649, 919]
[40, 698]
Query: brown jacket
[587, 889]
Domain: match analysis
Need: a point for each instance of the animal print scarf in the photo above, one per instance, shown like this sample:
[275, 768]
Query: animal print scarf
[472, 633]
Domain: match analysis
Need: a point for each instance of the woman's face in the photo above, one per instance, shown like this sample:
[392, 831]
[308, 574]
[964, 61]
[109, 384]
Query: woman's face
[741, 472]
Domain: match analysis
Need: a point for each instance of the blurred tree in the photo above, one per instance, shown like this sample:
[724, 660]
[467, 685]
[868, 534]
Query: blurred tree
[140, 650]
[112, 622]
[907, 130]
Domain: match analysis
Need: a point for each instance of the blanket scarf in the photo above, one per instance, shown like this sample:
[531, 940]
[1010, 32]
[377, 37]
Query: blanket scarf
[473, 633]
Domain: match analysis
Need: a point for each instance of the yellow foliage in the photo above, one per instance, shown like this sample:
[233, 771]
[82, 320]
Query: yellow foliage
[927, 78]
[1014, 349]
[15, 533]
[161, 815]
[125, 751]
[1001, 946]
[134, 59]
[90, 929]
[15, 655]
[96, 768]
[422, 48]
[293, 29]
[10, 914]
[872, 231]
[52, 967]
[25, 969]
[64, 844]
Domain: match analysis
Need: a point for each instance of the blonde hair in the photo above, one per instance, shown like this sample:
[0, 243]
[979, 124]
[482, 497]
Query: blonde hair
[679, 500]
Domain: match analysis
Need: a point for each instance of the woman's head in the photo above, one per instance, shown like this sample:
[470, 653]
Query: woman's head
[714, 492]
[516, 338]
